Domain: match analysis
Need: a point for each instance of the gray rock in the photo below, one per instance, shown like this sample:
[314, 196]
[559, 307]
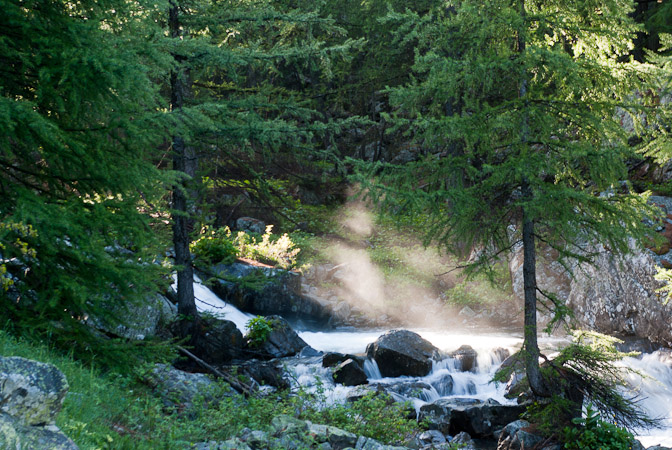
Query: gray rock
[221, 341]
[514, 437]
[137, 320]
[179, 388]
[14, 434]
[614, 295]
[467, 357]
[284, 424]
[282, 340]
[350, 373]
[30, 391]
[432, 437]
[336, 437]
[250, 224]
[463, 440]
[478, 418]
[402, 352]
[274, 291]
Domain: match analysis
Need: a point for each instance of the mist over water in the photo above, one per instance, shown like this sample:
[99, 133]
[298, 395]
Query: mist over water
[365, 285]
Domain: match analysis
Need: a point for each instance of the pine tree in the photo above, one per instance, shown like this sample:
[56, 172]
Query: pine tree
[79, 116]
[236, 106]
[514, 104]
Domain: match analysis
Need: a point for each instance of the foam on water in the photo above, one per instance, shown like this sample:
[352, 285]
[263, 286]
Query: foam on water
[445, 379]
[207, 301]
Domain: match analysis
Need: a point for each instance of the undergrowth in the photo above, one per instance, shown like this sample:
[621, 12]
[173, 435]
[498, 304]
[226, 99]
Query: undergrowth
[110, 410]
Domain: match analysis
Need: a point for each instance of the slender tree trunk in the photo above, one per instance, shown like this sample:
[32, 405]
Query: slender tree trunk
[183, 161]
[530, 344]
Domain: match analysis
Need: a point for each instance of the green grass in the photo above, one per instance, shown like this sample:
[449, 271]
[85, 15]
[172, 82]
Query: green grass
[117, 411]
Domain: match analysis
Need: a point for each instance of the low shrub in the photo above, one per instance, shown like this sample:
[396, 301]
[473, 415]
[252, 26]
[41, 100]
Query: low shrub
[593, 433]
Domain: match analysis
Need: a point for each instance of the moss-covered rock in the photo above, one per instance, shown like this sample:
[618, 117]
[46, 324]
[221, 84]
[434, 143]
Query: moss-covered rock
[30, 391]
[16, 435]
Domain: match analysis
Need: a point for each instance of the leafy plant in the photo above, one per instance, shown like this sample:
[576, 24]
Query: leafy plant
[259, 328]
[279, 251]
[215, 246]
[593, 433]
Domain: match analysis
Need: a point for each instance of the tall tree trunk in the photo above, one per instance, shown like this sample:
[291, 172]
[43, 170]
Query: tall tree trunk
[183, 161]
[530, 344]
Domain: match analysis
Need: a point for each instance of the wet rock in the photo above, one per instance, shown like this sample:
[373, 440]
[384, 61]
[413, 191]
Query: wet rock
[331, 359]
[467, 357]
[478, 418]
[515, 437]
[402, 352]
[444, 385]
[309, 352]
[281, 341]
[267, 290]
[266, 373]
[409, 389]
[15, 434]
[30, 391]
[350, 373]
[220, 342]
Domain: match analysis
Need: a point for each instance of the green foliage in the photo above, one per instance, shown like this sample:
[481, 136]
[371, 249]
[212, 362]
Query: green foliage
[222, 246]
[375, 415]
[258, 330]
[78, 109]
[550, 415]
[112, 410]
[215, 247]
[277, 250]
[593, 433]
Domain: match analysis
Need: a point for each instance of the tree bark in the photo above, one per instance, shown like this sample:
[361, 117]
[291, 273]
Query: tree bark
[530, 344]
[183, 161]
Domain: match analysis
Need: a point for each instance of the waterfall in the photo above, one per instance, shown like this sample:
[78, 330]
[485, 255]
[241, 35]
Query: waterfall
[445, 380]
[207, 301]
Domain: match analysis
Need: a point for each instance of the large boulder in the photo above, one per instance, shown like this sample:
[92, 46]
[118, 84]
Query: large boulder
[515, 436]
[350, 373]
[281, 341]
[402, 352]
[31, 396]
[220, 342]
[14, 434]
[467, 358]
[180, 389]
[265, 290]
[137, 320]
[31, 391]
[614, 295]
[476, 417]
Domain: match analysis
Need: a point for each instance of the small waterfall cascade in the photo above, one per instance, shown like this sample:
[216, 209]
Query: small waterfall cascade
[208, 301]
[655, 391]
[446, 379]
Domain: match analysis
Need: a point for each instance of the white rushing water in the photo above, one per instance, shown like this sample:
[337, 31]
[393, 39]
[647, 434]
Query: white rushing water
[208, 301]
[445, 380]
